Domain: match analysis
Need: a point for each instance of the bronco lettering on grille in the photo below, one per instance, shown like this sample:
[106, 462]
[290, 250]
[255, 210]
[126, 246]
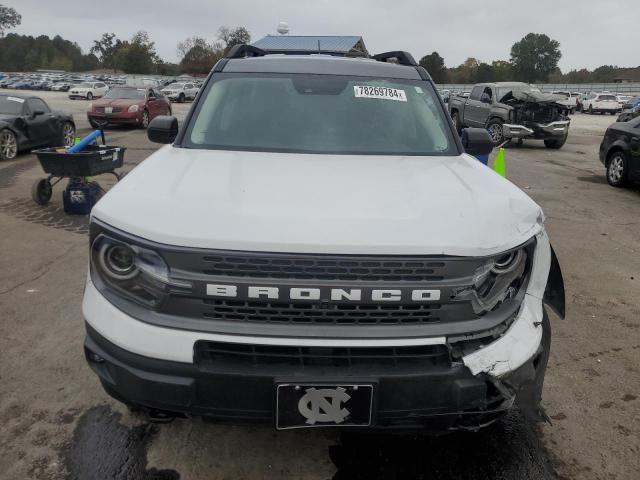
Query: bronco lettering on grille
[323, 293]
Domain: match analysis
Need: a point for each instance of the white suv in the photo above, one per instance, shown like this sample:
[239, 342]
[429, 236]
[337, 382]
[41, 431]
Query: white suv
[88, 90]
[314, 247]
[601, 103]
[180, 92]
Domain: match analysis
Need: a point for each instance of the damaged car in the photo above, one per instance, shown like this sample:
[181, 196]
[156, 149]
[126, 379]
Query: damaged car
[317, 247]
[513, 111]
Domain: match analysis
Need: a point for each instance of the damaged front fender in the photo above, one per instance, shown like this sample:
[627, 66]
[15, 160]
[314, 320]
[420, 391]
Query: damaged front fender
[554, 296]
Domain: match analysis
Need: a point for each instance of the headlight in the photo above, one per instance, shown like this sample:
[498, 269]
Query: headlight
[90, 107]
[133, 108]
[498, 280]
[134, 272]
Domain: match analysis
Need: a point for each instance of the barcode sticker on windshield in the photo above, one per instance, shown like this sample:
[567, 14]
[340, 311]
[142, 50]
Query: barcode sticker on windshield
[383, 93]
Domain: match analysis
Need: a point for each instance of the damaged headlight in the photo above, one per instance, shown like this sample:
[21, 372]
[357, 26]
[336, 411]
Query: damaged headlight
[134, 272]
[498, 280]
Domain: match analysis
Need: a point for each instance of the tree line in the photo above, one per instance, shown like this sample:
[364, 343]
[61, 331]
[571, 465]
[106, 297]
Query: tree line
[533, 59]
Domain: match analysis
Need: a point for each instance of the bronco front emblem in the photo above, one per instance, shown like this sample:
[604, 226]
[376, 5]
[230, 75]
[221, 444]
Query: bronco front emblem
[324, 405]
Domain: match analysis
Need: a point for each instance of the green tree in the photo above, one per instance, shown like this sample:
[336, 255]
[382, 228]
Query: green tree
[9, 18]
[137, 55]
[502, 71]
[535, 57]
[105, 49]
[434, 64]
[230, 37]
[605, 73]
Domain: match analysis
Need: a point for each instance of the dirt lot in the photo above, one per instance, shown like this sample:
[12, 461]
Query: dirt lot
[56, 422]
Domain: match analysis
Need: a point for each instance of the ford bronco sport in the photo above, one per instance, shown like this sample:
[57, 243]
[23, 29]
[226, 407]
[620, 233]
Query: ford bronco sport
[313, 247]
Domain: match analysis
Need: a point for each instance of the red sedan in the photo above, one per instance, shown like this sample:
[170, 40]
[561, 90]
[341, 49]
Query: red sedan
[128, 106]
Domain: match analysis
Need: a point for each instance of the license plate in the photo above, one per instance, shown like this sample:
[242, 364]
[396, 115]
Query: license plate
[305, 406]
[108, 109]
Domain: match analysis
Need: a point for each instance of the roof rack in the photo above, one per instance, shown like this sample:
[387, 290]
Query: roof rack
[403, 58]
[242, 51]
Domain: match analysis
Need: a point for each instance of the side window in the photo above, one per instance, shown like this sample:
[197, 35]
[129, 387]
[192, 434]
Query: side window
[35, 104]
[476, 93]
[487, 93]
[188, 85]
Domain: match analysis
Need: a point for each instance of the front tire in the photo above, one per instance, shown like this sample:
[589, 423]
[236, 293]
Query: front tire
[68, 134]
[145, 119]
[8, 145]
[617, 169]
[555, 143]
[494, 127]
[590, 109]
[181, 98]
[89, 96]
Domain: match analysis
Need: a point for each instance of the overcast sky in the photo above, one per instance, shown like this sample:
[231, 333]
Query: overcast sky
[591, 32]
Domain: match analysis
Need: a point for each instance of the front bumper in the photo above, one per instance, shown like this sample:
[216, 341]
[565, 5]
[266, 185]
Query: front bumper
[438, 400]
[129, 118]
[557, 129]
[172, 95]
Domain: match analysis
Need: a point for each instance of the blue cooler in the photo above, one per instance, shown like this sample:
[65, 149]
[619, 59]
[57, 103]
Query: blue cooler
[80, 196]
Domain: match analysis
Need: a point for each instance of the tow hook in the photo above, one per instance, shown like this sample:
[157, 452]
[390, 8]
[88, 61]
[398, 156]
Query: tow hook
[159, 416]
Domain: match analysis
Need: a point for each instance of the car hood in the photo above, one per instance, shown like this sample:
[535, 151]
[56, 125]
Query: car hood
[117, 102]
[320, 203]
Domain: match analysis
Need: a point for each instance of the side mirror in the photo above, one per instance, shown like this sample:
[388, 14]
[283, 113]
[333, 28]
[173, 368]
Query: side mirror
[152, 97]
[476, 141]
[163, 129]
[485, 98]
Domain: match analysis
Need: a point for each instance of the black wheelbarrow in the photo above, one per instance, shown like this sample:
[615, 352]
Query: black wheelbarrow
[92, 160]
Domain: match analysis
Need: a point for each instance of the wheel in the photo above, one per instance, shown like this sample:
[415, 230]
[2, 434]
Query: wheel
[93, 125]
[456, 121]
[181, 98]
[41, 191]
[613, 113]
[590, 109]
[145, 119]
[169, 111]
[555, 143]
[8, 145]
[89, 96]
[617, 169]
[494, 127]
[68, 134]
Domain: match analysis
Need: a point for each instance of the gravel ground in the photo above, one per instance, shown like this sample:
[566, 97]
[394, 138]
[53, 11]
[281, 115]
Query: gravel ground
[56, 422]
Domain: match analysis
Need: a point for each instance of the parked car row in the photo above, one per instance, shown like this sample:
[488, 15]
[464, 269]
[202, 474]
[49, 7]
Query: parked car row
[54, 81]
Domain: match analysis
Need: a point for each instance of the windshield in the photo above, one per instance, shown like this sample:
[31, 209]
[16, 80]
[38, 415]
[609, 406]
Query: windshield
[321, 114]
[607, 98]
[502, 92]
[85, 85]
[11, 105]
[131, 93]
[175, 86]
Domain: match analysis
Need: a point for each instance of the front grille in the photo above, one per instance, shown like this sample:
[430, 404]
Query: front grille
[310, 267]
[114, 110]
[208, 353]
[319, 313]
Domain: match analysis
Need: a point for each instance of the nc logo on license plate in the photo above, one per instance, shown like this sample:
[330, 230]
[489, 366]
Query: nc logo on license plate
[324, 405]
